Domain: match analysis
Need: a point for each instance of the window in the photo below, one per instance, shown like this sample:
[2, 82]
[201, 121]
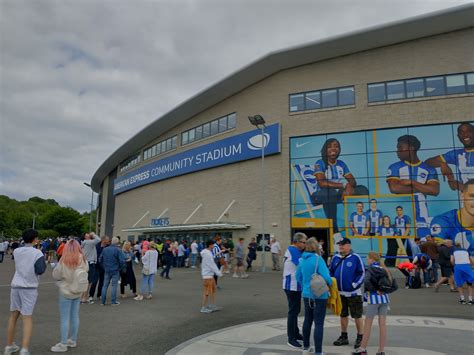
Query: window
[297, 102]
[130, 162]
[206, 130]
[162, 147]
[376, 92]
[421, 87]
[174, 142]
[346, 96]
[395, 90]
[313, 100]
[184, 137]
[415, 88]
[231, 120]
[329, 98]
[221, 124]
[455, 84]
[470, 82]
[434, 86]
[214, 127]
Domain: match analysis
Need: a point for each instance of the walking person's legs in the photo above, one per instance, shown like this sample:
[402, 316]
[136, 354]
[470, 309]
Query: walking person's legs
[308, 321]
[115, 278]
[294, 308]
[74, 320]
[105, 286]
[65, 316]
[383, 332]
[319, 314]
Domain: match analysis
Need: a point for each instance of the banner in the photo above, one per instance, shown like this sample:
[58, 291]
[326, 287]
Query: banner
[237, 148]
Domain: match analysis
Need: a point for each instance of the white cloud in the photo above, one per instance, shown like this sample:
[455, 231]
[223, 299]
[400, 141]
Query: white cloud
[78, 79]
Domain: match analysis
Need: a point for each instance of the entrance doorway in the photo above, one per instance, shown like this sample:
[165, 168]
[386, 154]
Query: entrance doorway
[321, 234]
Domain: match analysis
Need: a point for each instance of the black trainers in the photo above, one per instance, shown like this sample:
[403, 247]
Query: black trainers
[462, 301]
[382, 353]
[299, 337]
[357, 342]
[359, 351]
[341, 341]
[471, 302]
[294, 344]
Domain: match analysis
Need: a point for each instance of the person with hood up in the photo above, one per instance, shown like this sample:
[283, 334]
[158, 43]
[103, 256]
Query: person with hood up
[314, 306]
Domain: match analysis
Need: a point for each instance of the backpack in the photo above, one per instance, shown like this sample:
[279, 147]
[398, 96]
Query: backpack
[386, 286]
[80, 281]
[414, 281]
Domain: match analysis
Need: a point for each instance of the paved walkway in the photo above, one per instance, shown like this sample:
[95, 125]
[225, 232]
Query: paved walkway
[172, 317]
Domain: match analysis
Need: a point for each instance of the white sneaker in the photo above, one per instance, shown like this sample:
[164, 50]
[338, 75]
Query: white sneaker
[214, 308]
[205, 310]
[11, 349]
[245, 276]
[149, 297]
[138, 298]
[24, 351]
[90, 299]
[71, 343]
[59, 348]
[235, 275]
[427, 285]
[193, 267]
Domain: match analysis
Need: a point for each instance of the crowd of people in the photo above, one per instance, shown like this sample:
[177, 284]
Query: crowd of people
[345, 284]
[85, 268]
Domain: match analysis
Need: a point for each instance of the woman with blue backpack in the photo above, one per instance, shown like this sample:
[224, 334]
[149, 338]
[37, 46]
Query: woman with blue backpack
[313, 274]
[378, 283]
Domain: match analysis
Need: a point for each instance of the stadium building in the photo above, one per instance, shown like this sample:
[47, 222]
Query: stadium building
[367, 135]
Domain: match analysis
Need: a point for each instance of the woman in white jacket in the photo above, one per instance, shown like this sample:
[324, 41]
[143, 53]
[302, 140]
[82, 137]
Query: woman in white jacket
[149, 260]
[71, 273]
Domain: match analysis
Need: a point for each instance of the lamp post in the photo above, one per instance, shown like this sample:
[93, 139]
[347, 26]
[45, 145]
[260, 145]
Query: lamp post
[92, 205]
[35, 214]
[259, 122]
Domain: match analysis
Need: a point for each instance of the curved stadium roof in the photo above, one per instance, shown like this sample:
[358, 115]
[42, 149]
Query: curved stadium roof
[430, 24]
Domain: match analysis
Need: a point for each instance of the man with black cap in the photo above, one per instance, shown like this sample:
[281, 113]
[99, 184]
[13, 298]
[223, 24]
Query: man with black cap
[348, 269]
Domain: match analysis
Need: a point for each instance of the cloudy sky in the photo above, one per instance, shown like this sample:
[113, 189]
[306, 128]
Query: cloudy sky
[79, 78]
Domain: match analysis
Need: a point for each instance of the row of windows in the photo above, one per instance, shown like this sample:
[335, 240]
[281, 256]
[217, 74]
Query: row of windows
[314, 100]
[132, 161]
[421, 87]
[161, 147]
[209, 129]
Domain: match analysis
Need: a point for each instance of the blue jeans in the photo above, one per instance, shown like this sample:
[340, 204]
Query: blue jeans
[193, 259]
[114, 277]
[148, 282]
[69, 314]
[314, 311]
[294, 308]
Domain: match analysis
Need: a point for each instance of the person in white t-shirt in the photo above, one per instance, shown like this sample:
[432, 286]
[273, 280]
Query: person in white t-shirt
[194, 254]
[276, 253]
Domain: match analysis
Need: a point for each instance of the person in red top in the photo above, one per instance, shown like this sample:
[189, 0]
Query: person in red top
[406, 268]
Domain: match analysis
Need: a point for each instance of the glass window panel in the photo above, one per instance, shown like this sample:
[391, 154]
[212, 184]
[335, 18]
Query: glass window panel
[145, 154]
[415, 88]
[206, 130]
[163, 146]
[153, 151]
[296, 102]
[455, 84]
[346, 96]
[435, 86]
[223, 124]
[198, 133]
[214, 127]
[470, 82]
[231, 120]
[313, 100]
[191, 135]
[376, 92]
[158, 149]
[184, 138]
[174, 142]
[395, 90]
[168, 144]
[329, 98]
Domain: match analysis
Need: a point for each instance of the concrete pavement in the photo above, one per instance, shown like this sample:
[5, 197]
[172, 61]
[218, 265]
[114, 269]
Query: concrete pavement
[172, 316]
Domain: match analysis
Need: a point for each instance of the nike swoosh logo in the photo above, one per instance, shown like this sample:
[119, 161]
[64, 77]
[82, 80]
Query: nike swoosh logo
[301, 145]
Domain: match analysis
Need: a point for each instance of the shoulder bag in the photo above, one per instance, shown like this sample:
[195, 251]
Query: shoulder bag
[318, 284]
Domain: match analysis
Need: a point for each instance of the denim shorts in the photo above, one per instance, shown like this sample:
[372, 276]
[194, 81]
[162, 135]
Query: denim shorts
[23, 300]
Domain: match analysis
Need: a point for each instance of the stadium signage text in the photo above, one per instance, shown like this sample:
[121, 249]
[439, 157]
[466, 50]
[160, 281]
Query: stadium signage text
[240, 147]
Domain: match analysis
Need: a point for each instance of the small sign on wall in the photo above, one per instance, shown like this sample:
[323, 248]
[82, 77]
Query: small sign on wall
[161, 222]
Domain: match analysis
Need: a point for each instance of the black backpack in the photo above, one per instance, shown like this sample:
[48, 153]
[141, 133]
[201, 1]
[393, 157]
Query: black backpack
[386, 285]
[414, 281]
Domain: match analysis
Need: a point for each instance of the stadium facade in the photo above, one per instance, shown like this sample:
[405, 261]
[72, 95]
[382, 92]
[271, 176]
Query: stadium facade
[340, 114]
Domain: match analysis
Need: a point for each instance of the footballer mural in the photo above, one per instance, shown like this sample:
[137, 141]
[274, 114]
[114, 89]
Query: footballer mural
[383, 188]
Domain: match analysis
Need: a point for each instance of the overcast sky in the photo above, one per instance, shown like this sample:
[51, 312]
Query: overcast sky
[79, 78]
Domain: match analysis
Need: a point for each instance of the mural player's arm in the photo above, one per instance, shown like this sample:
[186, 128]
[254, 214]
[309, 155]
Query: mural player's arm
[441, 161]
[397, 185]
[348, 187]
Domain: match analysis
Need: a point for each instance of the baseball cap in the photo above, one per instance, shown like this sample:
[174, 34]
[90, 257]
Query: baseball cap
[344, 241]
